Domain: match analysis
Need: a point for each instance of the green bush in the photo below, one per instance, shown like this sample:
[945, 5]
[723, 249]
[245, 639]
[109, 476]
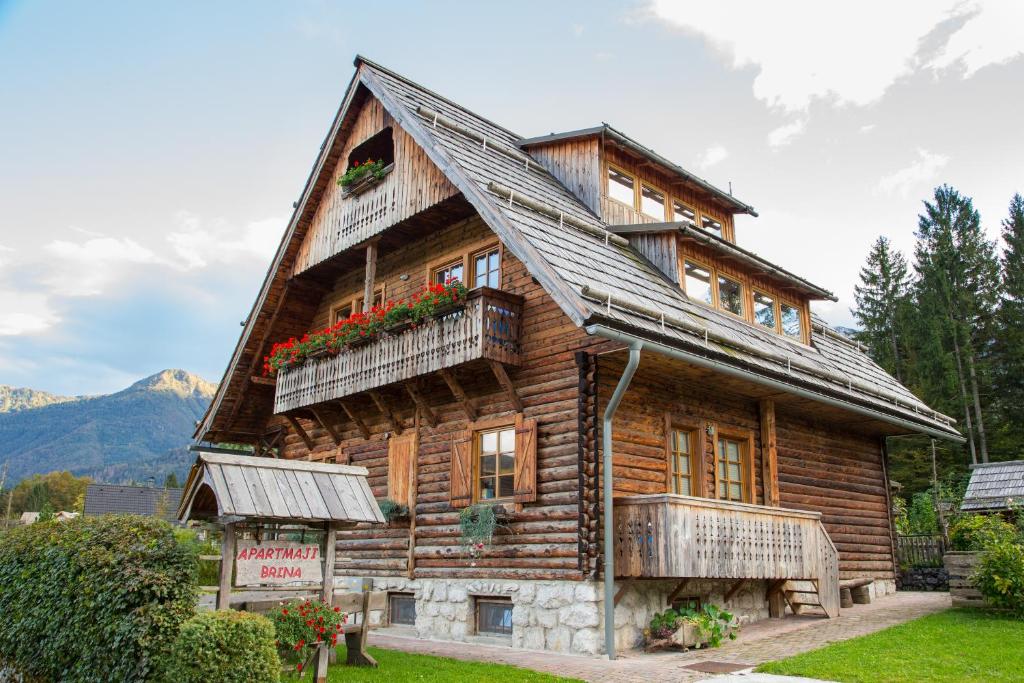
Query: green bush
[94, 598]
[977, 532]
[1000, 576]
[224, 646]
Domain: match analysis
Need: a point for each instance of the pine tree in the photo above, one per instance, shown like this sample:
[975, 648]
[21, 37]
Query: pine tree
[881, 302]
[171, 482]
[956, 294]
[1008, 353]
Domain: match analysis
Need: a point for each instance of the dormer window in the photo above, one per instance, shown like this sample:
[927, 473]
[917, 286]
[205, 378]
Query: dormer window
[764, 311]
[698, 283]
[730, 295]
[621, 186]
[652, 202]
[712, 225]
[684, 213]
[792, 321]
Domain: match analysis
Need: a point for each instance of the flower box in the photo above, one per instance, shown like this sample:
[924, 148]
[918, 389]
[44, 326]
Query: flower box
[365, 183]
[399, 327]
[359, 342]
[445, 311]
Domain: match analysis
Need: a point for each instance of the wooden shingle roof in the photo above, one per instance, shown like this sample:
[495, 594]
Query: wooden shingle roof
[995, 486]
[103, 499]
[223, 485]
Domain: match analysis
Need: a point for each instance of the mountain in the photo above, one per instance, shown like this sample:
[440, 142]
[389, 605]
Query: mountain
[13, 399]
[140, 432]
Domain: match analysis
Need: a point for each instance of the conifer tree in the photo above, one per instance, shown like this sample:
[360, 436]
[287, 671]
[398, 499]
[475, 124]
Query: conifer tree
[881, 300]
[1009, 347]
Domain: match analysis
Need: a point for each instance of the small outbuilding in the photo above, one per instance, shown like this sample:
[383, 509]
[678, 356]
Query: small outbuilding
[995, 487]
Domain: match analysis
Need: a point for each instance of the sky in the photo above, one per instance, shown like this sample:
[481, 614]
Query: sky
[150, 152]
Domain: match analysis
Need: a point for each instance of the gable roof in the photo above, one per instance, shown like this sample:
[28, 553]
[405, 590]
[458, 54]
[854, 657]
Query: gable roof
[995, 486]
[592, 274]
[103, 499]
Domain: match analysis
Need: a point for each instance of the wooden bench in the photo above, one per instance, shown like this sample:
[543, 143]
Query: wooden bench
[855, 591]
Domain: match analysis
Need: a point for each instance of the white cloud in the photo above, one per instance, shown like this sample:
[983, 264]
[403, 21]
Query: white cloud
[847, 52]
[24, 313]
[783, 135]
[87, 268]
[712, 155]
[198, 243]
[868, 127]
[926, 167]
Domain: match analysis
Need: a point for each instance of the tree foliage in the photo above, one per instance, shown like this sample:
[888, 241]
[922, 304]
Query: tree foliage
[59, 490]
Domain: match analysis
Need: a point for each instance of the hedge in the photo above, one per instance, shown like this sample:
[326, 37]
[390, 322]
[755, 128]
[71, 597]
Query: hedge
[94, 598]
[224, 646]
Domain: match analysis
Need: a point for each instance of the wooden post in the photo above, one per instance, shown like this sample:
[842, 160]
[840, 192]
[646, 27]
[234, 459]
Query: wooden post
[327, 596]
[227, 564]
[769, 454]
[371, 275]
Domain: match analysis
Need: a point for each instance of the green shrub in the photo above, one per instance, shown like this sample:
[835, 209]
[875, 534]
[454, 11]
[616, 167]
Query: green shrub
[1000, 576]
[94, 598]
[977, 532]
[224, 646]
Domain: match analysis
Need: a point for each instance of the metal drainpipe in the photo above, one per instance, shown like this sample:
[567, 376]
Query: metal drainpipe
[606, 447]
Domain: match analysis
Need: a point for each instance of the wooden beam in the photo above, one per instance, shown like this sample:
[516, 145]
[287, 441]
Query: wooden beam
[300, 431]
[677, 591]
[622, 591]
[227, 564]
[326, 595]
[386, 411]
[360, 425]
[421, 403]
[499, 373]
[735, 587]
[460, 395]
[325, 422]
[371, 275]
[263, 381]
[769, 454]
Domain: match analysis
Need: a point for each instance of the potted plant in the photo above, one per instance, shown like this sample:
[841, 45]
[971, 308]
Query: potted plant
[393, 511]
[398, 317]
[478, 524]
[439, 301]
[690, 628]
[361, 174]
[304, 626]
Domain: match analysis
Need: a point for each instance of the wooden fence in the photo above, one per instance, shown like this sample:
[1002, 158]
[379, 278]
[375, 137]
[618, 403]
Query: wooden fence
[920, 550]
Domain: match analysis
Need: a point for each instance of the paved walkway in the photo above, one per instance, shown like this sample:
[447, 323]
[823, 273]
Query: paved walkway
[760, 642]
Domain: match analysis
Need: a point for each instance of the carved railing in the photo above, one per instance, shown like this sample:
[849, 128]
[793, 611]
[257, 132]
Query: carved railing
[488, 328]
[671, 536]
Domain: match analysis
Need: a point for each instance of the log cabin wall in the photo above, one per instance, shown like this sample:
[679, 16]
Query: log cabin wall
[341, 221]
[616, 213]
[543, 539]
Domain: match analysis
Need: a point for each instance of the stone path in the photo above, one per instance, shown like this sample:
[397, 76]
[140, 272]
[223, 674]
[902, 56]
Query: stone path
[760, 642]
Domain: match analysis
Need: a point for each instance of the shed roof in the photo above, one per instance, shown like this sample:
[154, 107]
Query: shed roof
[221, 485]
[103, 499]
[995, 486]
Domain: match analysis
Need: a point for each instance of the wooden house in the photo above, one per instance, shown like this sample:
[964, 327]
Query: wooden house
[614, 326]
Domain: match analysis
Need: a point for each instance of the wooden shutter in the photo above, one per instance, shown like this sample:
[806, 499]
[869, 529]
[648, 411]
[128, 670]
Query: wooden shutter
[401, 461]
[462, 470]
[526, 461]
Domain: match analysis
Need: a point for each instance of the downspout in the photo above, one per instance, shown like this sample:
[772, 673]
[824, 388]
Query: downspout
[606, 465]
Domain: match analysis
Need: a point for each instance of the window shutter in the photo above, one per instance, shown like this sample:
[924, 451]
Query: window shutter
[526, 461]
[401, 459]
[462, 470]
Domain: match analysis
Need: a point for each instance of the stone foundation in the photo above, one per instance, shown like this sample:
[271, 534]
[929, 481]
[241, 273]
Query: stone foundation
[924, 579]
[561, 616]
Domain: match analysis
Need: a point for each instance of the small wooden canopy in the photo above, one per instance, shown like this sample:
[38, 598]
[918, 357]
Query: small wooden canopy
[245, 486]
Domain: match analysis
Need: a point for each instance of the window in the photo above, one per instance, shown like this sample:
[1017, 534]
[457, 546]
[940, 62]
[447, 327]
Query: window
[494, 616]
[487, 268]
[764, 310]
[792, 325]
[698, 282]
[652, 202]
[681, 462]
[692, 602]
[378, 299]
[448, 273]
[380, 147]
[683, 213]
[401, 609]
[340, 313]
[712, 225]
[730, 295]
[732, 472]
[620, 186]
[496, 454]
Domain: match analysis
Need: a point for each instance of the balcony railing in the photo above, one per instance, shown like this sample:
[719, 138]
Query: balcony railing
[488, 328]
[670, 536]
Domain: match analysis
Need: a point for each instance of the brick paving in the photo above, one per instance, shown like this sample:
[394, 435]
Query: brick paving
[760, 642]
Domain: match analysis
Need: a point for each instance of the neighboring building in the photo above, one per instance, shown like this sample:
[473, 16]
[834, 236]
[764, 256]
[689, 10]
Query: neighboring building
[103, 499]
[33, 517]
[995, 487]
[748, 449]
[29, 517]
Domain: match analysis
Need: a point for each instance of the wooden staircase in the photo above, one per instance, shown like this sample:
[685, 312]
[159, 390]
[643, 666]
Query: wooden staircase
[803, 598]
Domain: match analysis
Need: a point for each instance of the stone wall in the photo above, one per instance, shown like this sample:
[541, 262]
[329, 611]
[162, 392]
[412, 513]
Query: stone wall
[924, 579]
[561, 616]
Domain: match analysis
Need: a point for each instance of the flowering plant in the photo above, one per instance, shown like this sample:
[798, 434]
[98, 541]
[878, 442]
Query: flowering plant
[357, 171]
[302, 624]
[362, 326]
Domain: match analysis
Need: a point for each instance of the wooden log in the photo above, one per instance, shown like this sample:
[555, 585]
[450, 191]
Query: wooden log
[459, 393]
[326, 595]
[227, 565]
[300, 431]
[503, 379]
[360, 425]
[861, 595]
[389, 414]
[845, 598]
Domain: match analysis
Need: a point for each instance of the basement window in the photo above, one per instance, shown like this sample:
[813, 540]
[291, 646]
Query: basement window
[380, 147]
[401, 609]
[494, 616]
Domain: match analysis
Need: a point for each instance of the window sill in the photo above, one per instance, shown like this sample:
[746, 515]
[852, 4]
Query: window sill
[366, 183]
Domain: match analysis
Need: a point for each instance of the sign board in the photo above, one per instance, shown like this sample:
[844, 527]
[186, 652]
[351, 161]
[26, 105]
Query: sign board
[277, 563]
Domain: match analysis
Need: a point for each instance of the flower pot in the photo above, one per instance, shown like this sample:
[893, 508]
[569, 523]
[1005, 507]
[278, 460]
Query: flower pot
[448, 309]
[688, 635]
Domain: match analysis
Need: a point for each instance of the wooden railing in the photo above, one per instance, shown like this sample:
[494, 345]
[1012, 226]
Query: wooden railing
[670, 536]
[488, 328]
[920, 550]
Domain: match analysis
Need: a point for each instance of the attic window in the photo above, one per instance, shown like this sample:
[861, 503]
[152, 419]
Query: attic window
[683, 213]
[380, 147]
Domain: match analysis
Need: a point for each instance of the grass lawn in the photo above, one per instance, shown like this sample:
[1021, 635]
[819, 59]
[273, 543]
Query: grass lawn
[955, 645]
[401, 666]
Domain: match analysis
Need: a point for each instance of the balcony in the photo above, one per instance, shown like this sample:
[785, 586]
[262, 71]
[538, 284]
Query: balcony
[671, 536]
[488, 328]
